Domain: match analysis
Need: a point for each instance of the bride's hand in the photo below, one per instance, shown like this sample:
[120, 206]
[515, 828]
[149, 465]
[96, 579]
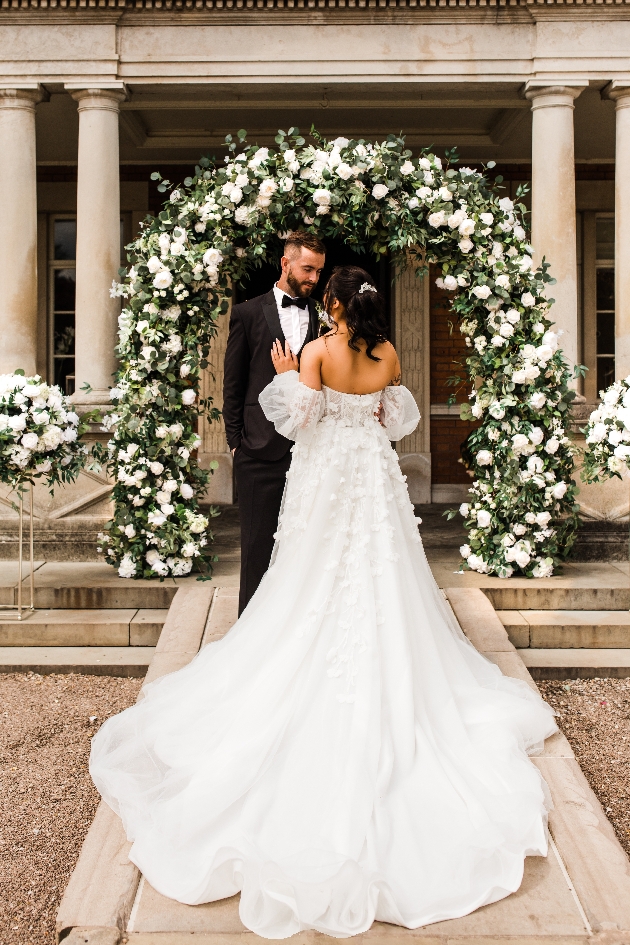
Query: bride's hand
[283, 360]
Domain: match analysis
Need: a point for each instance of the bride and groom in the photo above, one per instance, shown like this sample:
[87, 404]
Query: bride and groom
[343, 754]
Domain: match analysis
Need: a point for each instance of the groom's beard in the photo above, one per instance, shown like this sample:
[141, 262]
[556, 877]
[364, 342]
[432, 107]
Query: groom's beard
[301, 290]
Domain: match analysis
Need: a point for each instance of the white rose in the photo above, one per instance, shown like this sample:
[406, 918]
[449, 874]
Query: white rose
[167, 509]
[467, 228]
[521, 557]
[450, 283]
[486, 218]
[184, 369]
[536, 436]
[444, 193]
[259, 157]
[322, 198]
[241, 215]
[519, 442]
[464, 510]
[484, 458]
[437, 219]
[156, 468]
[482, 291]
[267, 187]
[538, 400]
[154, 264]
[465, 551]
[519, 232]
[559, 490]
[506, 330]
[379, 191]
[186, 491]
[424, 193]
[543, 353]
[189, 396]
[156, 519]
[503, 281]
[29, 441]
[535, 464]
[528, 299]
[127, 567]
[413, 203]
[456, 218]
[506, 204]
[163, 279]
[407, 168]
[466, 245]
[212, 257]
[344, 171]
[130, 531]
[497, 341]
[236, 194]
[550, 339]
[483, 518]
[543, 519]
[497, 410]
[512, 316]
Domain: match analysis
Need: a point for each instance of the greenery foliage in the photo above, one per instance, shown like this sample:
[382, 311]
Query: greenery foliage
[379, 198]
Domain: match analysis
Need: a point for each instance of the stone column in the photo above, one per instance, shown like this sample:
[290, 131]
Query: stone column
[18, 233]
[621, 96]
[98, 242]
[553, 204]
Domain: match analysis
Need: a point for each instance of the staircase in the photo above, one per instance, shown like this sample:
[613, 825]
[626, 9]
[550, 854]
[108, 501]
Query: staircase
[567, 631]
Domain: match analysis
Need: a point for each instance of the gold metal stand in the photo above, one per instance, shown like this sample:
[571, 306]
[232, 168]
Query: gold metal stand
[21, 612]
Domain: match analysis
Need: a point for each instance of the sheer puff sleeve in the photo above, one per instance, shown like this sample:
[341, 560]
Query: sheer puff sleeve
[292, 407]
[400, 414]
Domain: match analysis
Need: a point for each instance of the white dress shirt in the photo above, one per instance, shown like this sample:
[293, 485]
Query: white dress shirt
[293, 321]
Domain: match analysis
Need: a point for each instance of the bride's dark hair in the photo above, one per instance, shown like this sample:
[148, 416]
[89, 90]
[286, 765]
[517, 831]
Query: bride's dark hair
[365, 310]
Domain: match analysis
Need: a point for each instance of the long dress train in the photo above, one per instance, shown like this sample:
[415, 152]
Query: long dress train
[343, 754]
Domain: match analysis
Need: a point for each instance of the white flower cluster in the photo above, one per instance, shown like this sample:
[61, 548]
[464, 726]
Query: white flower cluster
[219, 224]
[38, 432]
[608, 434]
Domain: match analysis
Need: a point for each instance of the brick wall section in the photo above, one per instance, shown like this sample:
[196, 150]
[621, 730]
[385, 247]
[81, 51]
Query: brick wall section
[447, 433]
[447, 348]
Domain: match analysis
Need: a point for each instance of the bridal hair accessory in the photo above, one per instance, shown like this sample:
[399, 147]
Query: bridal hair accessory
[366, 287]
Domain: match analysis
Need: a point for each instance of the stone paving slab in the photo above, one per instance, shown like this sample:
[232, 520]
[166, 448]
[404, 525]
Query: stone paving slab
[609, 629]
[146, 626]
[88, 660]
[577, 664]
[68, 628]
[546, 908]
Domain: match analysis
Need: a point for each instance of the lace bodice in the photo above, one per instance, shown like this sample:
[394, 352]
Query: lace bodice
[295, 409]
[352, 409]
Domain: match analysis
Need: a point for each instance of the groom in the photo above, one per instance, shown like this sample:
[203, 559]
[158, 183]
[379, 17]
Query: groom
[261, 456]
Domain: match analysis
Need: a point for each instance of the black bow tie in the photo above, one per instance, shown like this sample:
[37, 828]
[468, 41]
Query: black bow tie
[287, 302]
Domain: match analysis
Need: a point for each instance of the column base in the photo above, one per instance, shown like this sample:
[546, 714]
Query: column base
[417, 468]
[220, 488]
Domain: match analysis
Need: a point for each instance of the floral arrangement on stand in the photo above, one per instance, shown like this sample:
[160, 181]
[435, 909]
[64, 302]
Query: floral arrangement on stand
[608, 434]
[39, 433]
[222, 221]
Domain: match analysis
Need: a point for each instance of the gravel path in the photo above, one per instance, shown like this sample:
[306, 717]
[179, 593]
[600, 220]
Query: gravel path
[47, 800]
[594, 714]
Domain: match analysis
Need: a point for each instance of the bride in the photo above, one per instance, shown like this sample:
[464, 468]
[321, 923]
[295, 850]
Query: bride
[343, 754]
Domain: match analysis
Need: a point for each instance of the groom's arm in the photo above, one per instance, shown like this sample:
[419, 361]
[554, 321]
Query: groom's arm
[235, 379]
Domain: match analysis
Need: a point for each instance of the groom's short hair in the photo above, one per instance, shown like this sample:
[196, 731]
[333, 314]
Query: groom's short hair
[299, 239]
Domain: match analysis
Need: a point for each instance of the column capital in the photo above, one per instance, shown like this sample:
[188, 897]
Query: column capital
[22, 96]
[106, 97]
[546, 95]
[618, 91]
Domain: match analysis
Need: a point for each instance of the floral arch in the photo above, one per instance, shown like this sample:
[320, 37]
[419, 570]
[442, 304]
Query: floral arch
[378, 197]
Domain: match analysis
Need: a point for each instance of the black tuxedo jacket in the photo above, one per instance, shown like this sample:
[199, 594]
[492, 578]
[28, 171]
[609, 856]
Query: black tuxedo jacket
[254, 326]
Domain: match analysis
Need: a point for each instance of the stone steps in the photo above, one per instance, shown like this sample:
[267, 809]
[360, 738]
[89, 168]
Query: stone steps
[530, 595]
[608, 629]
[110, 627]
[84, 660]
[576, 664]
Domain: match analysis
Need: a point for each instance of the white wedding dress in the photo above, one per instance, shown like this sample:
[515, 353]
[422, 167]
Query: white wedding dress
[343, 754]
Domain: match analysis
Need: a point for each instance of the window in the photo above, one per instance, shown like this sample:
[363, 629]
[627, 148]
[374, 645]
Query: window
[605, 296]
[61, 294]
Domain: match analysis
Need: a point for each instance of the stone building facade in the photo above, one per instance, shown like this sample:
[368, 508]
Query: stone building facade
[96, 94]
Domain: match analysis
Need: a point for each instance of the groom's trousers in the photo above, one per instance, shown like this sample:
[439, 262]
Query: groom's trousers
[260, 487]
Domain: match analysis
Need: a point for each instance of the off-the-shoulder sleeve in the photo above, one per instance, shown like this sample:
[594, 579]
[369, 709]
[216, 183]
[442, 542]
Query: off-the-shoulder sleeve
[292, 407]
[400, 413]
